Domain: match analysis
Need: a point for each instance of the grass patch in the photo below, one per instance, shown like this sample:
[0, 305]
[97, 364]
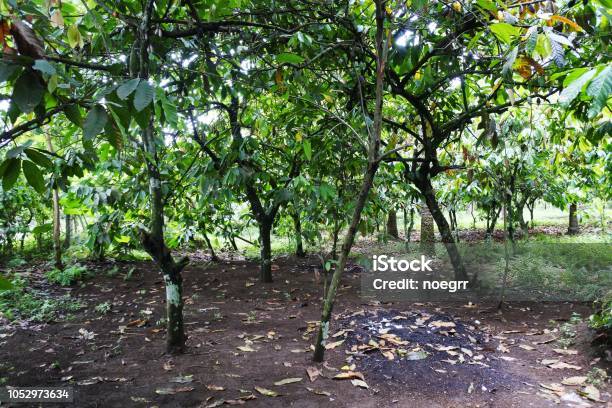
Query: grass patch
[68, 276]
[22, 303]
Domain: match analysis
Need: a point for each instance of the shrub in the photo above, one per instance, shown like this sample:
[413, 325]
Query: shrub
[68, 276]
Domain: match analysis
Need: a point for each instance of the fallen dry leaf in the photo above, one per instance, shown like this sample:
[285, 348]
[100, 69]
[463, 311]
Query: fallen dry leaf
[349, 375]
[439, 324]
[562, 365]
[578, 380]
[591, 393]
[359, 383]
[318, 392]
[553, 387]
[182, 379]
[567, 352]
[333, 345]
[288, 381]
[213, 387]
[266, 392]
[313, 373]
[172, 391]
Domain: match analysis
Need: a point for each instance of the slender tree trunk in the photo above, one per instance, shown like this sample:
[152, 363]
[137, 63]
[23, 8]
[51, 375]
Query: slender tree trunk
[573, 228]
[382, 47]
[297, 224]
[428, 236]
[265, 231]
[153, 240]
[410, 224]
[68, 224]
[506, 264]
[445, 230]
[328, 304]
[23, 234]
[521, 219]
[57, 245]
[213, 255]
[392, 224]
[494, 215]
[473, 216]
[336, 232]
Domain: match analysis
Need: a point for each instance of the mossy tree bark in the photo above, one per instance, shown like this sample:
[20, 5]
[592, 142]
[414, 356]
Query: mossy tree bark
[424, 185]
[297, 225]
[392, 224]
[153, 240]
[573, 228]
[428, 236]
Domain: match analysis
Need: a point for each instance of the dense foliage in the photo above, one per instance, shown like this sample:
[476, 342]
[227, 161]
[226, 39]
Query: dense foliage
[158, 125]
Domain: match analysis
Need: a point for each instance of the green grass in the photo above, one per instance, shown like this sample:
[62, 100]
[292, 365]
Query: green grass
[68, 276]
[22, 302]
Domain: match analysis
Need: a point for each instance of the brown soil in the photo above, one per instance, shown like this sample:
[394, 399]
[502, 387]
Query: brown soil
[124, 364]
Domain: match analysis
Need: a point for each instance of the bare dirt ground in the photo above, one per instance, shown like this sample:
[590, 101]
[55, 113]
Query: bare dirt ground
[245, 336]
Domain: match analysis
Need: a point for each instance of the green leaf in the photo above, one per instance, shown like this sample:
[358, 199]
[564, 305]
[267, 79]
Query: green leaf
[38, 158]
[5, 284]
[487, 5]
[7, 71]
[73, 113]
[600, 89]
[41, 229]
[289, 58]
[504, 32]
[28, 92]
[34, 176]
[126, 88]
[557, 53]
[573, 89]
[11, 173]
[94, 122]
[18, 150]
[507, 67]
[144, 95]
[44, 66]
[170, 112]
[74, 36]
[532, 40]
[307, 149]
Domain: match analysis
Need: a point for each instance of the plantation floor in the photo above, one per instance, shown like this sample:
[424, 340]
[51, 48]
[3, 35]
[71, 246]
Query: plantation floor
[244, 336]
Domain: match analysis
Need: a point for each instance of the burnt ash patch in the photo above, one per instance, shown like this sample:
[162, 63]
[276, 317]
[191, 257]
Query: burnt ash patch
[420, 351]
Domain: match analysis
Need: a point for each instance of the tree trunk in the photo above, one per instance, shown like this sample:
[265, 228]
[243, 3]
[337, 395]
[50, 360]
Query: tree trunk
[57, 245]
[445, 230]
[68, 224]
[265, 230]
[328, 304]
[428, 236]
[573, 220]
[297, 224]
[382, 48]
[494, 215]
[334, 251]
[392, 224]
[521, 220]
[153, 240]
[23, 234]
[213, 255]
